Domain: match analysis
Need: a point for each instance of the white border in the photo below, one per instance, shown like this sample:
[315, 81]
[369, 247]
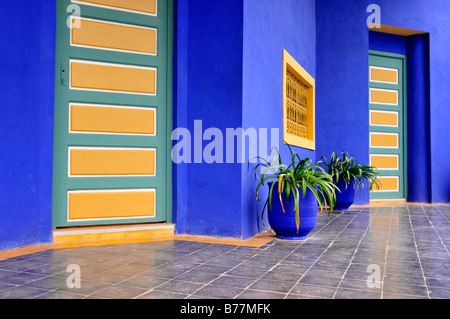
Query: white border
[382, 111]
[110, 149]
[111, 191]
[383, 133]
[390, 190]
[389, 200]
[387, 155]
[129, 66]
[112, 106]
[385, 90]
[111, 49]
[111, 229]
[115, 8]
[381, 68]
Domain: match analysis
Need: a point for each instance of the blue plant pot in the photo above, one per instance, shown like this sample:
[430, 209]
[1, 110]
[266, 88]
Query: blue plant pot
[346, 197]
[283, 223]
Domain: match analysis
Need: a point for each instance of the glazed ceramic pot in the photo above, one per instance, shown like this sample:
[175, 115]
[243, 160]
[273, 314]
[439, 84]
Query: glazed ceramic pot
[283, 223]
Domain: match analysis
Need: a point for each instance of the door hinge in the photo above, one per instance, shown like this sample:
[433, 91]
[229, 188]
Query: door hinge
[63, 75]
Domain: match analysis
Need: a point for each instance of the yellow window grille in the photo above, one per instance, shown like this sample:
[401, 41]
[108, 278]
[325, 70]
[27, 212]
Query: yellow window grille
[298, 104]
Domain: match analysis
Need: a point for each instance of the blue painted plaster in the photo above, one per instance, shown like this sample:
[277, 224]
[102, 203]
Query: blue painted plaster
[26, 130]
[269, 27]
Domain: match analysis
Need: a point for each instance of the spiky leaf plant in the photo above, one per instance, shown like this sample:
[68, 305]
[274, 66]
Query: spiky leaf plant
[295, 179]
[348, 169]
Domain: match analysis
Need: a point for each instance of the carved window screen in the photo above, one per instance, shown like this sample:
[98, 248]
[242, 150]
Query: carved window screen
[298, 104]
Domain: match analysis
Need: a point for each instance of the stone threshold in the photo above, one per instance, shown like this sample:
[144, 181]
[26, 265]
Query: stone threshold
[115, 234]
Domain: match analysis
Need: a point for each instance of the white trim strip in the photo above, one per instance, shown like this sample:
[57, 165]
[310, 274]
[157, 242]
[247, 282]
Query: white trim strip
[384, 90]
[389, 190]
[386, 112]
[129, 66]
[381, 68]
[57, 233]
[111, 49]
[110, 149]
[386, 155]
[389, 200]
[112, 106]
[115, 8]
[383, 133]
[111, 191]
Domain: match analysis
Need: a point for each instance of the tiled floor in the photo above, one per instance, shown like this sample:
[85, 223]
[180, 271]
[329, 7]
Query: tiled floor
[407, 244]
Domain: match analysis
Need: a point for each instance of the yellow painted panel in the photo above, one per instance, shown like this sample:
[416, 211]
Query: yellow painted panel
[381, 162]
[112, 236]
[388, 184]
[86, 118]
[90, 237]
[161, 232]
[384, 75]
[66, 239]
[114, 36]
[384, 140]
[382, 118]
[138, 234]
[144, 6]
[383, 96]
[111, 204]
[112, 162]
[113, 78]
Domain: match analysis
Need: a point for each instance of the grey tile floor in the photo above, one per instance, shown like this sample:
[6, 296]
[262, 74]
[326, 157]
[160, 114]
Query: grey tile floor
[399, 252]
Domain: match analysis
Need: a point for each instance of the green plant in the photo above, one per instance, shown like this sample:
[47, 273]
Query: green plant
[295, 179]
[348, 169]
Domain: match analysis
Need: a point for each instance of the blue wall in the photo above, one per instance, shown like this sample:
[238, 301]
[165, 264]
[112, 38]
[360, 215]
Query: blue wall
[418, 77]
[342, 96]
[269, 27]
[26, 130]
[228, 74]
[386, 42]
[342, 73]
[209, 71]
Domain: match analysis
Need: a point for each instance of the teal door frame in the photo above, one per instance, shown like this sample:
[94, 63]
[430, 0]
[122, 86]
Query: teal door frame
[382, 59]
[62, 138]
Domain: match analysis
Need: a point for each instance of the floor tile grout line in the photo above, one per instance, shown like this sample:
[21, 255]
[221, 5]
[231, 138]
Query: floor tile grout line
[253, 282]
[269, 270]
[353, 257]
[417, 253]
[221, 275]
[280, 261]
[187, 270]
[386, 253]
[200, 264]
[435, 230]
[412, 224]
[119, 282]
[443, 215]
[135, 275]
[331, 244]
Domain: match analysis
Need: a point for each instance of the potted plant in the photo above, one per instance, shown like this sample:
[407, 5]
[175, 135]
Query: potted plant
[348, 176]
[299, 188]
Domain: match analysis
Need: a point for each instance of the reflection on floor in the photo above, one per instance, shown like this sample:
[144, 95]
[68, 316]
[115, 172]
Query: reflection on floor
[399, 251]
